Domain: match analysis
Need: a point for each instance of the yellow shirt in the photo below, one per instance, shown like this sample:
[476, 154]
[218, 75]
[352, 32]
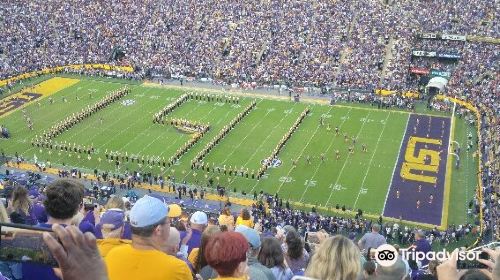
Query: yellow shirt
[226, 220]
[193, 256]
[125, 262]
[248, 223]
[105, 245]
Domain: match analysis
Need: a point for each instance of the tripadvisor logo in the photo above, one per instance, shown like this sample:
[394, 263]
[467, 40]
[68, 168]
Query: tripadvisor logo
[387, 255]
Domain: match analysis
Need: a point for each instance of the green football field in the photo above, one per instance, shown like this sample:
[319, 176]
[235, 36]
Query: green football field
[358, 181]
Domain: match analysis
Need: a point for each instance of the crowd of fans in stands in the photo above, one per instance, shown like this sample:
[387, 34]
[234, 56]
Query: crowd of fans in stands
[341, 43]
[113, 242]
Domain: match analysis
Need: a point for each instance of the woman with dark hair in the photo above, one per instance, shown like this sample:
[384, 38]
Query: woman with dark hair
[226, 252]
[245, 218]
[296, 257]
[271, 256]
[21, 210]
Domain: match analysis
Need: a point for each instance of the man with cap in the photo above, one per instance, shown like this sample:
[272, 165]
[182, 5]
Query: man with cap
[256, 270]
[198, 221]
[111, 225]
[144, 258]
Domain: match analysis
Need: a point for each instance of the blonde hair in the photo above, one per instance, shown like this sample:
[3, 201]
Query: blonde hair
[20, 200]
[115, 202]
[337, 258]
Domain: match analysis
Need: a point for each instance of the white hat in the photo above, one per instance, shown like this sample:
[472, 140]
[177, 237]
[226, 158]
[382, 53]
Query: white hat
[199, 218]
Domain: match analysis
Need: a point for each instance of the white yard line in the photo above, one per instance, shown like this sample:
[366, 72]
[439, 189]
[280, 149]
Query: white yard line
[371, 160]
[268, 135]
[244, 138]
[396, 163]
[261, 144]
[300, 155]
[346, 160]
[90, 123]
[220, 120]
[326, 152]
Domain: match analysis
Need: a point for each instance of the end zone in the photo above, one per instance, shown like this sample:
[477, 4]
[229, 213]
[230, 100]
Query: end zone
[417, 192]
[28, 95]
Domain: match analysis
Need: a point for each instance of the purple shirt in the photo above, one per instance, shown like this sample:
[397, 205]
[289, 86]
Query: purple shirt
[422, 245]
[39, 271]
[195, 240]
[40, 213]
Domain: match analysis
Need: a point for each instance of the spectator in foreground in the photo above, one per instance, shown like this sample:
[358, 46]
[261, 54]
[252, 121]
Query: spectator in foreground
[21, 211]
[197, 256]
[448, 269]
[226, 252]
[226, 219]
[198, 221]
[77, 256]
[337, 258]
[64, 197]
[244, 218]
[116, 203]
[256, 270]
[372, 239]
[369, 269]
[111, 225]
[422, 245]
[394, 272]
[144, 258]
[296, 256]
[172, 247]
[271, 256]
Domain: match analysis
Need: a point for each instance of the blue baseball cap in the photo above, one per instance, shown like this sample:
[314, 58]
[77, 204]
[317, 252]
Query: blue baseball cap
[250, 234]
[147, 211]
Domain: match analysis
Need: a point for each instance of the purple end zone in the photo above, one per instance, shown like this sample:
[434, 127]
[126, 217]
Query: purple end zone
[17, 102]
[404, 193]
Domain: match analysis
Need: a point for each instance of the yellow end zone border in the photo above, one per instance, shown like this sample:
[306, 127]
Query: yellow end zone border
[45, 88]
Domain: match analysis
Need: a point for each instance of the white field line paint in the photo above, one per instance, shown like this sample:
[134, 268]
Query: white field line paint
[109, 125]
[326, 152]
[268, 135]
[243, 140]
[396, 163]
[300, 155]
[371, 160]
[220, 120]
[260, 146]
[347, 160]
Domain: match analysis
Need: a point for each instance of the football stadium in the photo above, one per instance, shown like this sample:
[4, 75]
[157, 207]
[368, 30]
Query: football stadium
[149, 137]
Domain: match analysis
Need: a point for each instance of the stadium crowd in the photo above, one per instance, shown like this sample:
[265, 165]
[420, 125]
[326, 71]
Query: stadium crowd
[113, 239]
[343, 43]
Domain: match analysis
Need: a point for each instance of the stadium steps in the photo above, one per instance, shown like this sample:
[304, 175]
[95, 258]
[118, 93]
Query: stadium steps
[387, 58]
